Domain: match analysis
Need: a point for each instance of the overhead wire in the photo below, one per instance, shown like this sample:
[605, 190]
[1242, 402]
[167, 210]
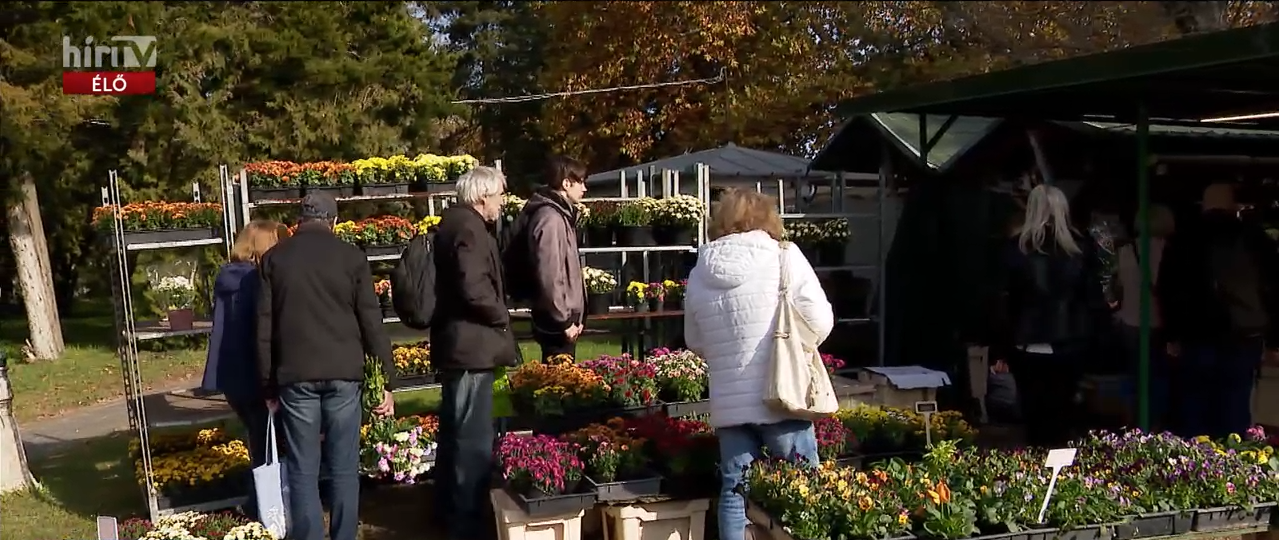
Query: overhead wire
[537, 97]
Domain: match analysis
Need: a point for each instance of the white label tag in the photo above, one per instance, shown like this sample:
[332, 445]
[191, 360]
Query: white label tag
[922, 407]
[1060, 457]
[108, 528]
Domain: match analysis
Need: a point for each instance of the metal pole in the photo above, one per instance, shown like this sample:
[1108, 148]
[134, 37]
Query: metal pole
[1143, 240]
[881, 254]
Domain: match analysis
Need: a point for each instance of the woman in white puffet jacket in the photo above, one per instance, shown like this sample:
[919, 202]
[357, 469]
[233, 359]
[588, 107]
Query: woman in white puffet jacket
[730, 314]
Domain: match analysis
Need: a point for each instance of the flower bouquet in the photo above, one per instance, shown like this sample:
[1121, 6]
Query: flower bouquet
[834, 441]
[557, 397]
[158, 222]
[832, 241]
[512, 204]
[682, 381]
[615, 464]
[195, 526]
[174, 296]
[674, 293]
[337, 178]
[637, 296]
[413, 364]
[686, 450]
[543, 474]
[438, 173]
[383, 289]
[675, 220]
[655, 294]
[635, 223]
[599, 221]
[398, 450]
[379, 236]
[632, 383]
[832, 364]
[273, 180]
[600, 285]
[428, 224]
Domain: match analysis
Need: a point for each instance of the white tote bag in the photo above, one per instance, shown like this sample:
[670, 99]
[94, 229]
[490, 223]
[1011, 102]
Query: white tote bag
[798, 384]
[270, 487]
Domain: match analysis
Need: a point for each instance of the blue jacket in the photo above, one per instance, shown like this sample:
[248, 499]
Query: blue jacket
[232, 364]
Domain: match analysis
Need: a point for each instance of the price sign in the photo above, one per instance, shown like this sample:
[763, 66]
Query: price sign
[1058, 458]
[108, 528]
[927, 409]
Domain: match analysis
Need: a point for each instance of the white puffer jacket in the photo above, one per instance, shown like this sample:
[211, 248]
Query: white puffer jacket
[731, 308]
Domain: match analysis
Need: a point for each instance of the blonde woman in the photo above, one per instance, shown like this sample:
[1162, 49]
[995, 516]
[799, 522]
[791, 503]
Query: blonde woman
[731, 306]
[231, 367]
[1049, 308]
[1128, 269]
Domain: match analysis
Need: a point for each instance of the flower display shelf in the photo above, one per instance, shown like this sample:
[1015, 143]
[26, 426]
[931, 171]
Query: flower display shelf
[207, 495]
[383, 251]
[553, 505]
[335, 191]
[1226, 518]
[688, 408]
[685, 520]
[416, 379]
[438, 187]
[1155, 524]
[274, 194]
[163, 236]
[380, 190]
[627, 490]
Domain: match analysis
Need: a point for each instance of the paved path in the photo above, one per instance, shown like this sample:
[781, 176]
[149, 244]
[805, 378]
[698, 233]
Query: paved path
[168, 406]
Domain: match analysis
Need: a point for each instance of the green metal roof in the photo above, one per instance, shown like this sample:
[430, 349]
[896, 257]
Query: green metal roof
[1211, 75]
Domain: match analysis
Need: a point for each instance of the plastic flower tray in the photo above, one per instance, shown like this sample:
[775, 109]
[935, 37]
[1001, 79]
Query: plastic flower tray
[1218, 519]
[1030, 534]
[761, 518]
[420, 379]
[168, 235]
[376, 251]
[439, 187]
[688, 408]
[1155, 524]
[335, 191]
[854, 461]
[274, 194]
[627, 490]
[375, 190]
[553, 505]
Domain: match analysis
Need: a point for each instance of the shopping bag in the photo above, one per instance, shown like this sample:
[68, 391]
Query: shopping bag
[798, 384]
[270, 486]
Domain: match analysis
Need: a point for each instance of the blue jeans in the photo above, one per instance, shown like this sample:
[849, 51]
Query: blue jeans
[464, 463]
[1218, 380]
[739, 446]
[306, 410]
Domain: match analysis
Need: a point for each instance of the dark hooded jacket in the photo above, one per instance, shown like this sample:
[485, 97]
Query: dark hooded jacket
[231, 367]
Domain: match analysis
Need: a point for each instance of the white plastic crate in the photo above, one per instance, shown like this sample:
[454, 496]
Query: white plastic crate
[673, 520]
[514, 524]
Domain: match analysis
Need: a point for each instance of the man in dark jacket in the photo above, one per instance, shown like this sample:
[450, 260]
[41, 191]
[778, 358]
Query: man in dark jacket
[470, 338]
[1218, 295]
[549, 222]
[317, 319]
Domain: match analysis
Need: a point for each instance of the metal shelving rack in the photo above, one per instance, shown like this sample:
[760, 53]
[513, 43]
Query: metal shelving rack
[236, 186]
[669, 187]
[130, 331]
[837, 194]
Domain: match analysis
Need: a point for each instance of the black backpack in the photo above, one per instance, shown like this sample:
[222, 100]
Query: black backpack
[1238, 285]
[515, 256]
[413, 284]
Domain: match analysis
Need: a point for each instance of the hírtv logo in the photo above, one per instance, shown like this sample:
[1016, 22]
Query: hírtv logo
[130, 52]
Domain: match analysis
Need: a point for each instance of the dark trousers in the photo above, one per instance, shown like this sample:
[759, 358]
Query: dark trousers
[252, 414]
[308, 409]
[1216, 387]
[1161, 373]
[465, 461]
[1046, 385]
[554, 344]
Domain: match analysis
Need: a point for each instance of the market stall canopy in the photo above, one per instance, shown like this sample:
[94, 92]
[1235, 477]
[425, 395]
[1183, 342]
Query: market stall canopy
[1216, 75]
[852, 148]
[728, 161]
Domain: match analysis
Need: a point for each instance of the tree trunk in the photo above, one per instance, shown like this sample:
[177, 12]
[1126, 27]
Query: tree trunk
[14, 473]
[35, 279]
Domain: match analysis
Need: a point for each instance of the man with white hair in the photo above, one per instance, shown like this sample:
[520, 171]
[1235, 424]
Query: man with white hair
[470, 337]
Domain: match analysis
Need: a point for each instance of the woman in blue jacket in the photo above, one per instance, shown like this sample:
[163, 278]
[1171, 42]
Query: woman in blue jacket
[232, 364]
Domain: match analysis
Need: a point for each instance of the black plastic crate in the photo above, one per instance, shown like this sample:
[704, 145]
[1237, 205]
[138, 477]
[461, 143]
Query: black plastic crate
[1155, 524]
[627, 490]
[1225, 518]
[553, 505]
